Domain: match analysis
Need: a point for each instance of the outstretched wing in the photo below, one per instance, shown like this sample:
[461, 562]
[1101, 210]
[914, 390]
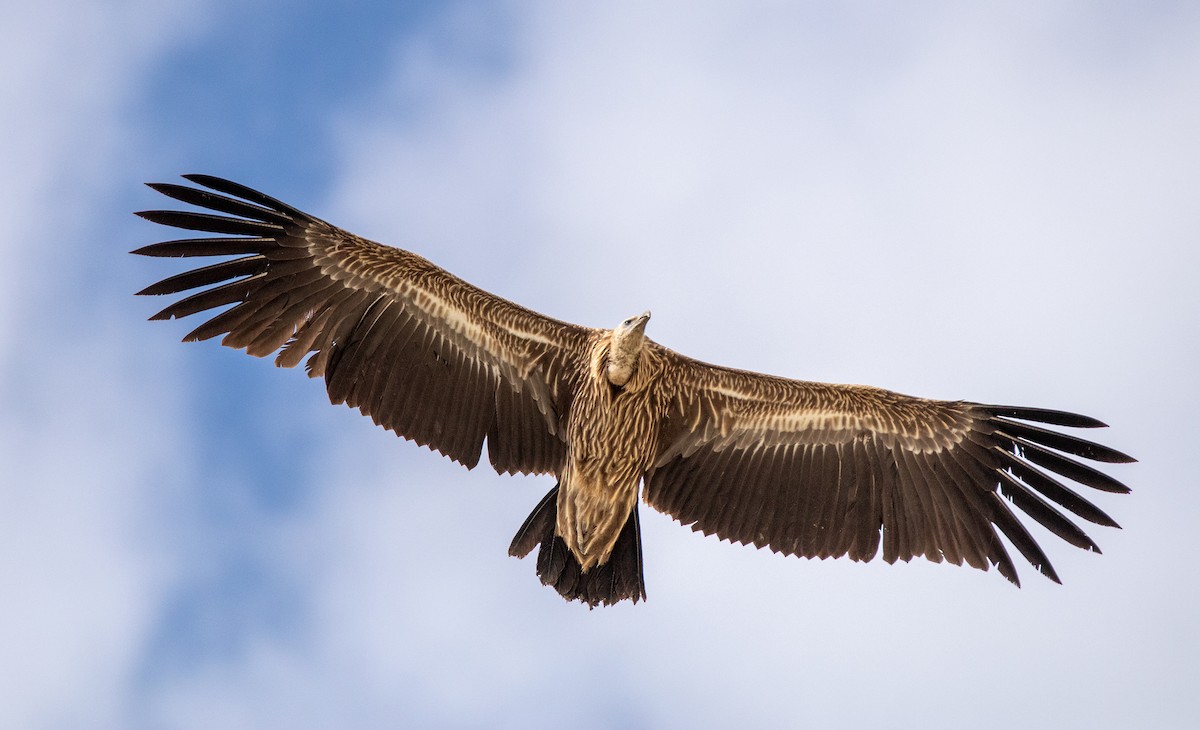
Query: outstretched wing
[420, 351]
[821, 470]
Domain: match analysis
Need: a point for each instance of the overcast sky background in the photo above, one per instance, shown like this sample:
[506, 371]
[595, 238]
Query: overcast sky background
[992, 202]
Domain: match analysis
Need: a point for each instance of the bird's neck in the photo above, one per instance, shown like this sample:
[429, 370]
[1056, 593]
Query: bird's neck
[623, 354]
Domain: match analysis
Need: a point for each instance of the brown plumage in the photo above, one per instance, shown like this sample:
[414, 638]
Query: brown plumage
[803, 468]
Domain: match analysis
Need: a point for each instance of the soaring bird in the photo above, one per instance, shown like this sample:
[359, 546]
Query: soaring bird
[803, 468]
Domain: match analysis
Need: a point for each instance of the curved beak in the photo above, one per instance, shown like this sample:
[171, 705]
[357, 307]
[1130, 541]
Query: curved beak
[640, 325]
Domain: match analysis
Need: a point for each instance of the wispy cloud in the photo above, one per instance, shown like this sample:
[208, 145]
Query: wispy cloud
[985, 203]
[82, 463]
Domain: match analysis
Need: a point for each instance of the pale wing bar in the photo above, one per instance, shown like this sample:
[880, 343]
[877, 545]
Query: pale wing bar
[377, 349]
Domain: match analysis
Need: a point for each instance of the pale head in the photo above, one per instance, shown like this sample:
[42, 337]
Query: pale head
[627, 339]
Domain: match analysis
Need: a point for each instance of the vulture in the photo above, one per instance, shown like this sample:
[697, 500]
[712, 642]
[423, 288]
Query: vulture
[803, 468]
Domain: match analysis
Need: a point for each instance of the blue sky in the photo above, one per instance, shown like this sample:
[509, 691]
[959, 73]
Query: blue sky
[994, 202]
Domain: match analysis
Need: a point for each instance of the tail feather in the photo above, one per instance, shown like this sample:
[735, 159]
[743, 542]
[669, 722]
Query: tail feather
[616, 580]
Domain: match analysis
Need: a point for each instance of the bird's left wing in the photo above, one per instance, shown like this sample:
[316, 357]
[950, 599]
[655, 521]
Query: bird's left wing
[420, 351]
[822, 470]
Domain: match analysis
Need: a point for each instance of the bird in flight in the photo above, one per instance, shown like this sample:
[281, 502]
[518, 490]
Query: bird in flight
[803, 468]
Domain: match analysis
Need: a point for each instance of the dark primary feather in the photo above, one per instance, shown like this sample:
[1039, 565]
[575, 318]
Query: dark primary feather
[206, 247]
[1043, 415]
[207, 275]
[211, 223]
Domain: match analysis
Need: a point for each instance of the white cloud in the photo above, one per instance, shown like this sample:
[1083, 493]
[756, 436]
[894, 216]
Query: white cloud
[81, 460]
[803, 190]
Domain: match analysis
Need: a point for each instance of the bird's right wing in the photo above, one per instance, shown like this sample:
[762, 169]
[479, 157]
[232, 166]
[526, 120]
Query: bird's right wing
[420, 351]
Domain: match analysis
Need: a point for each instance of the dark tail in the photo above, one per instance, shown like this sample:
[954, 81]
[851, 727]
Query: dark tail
[616, 580]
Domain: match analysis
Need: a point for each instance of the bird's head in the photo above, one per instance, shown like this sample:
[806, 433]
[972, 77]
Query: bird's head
[634, 326]
[627, 339]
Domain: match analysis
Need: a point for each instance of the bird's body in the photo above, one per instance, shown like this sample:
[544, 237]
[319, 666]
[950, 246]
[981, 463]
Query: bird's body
[612, 439]
[803, 468]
